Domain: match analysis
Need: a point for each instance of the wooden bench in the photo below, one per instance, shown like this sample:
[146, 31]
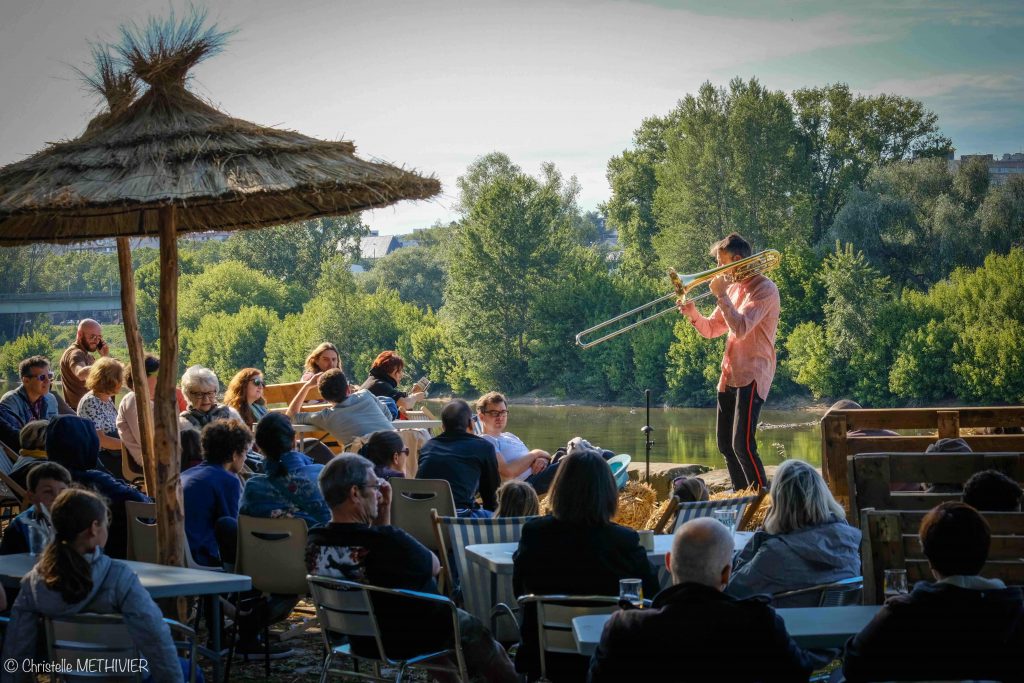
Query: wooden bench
[891, 542]
[873, 474]
[837, 444]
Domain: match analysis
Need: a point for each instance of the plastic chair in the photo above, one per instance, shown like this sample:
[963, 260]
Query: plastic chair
[411, 503]
[684, 512]
[453, 535]
[345, 609]
[84, 637]
[620, 469]
[131, 471]
[142, 535]
[273, 553]
[554, 620]
[837, 594]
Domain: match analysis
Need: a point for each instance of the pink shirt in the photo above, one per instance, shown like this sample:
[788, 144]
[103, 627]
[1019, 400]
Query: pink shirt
[749, 312]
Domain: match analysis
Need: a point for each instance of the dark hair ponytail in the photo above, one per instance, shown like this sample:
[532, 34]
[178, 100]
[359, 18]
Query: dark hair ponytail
[63, 568]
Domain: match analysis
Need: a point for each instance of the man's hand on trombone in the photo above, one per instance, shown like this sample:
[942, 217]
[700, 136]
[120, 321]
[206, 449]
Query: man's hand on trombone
[718, 286]
[687, 308]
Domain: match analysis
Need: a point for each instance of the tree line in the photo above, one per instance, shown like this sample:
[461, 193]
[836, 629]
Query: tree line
[901, 278]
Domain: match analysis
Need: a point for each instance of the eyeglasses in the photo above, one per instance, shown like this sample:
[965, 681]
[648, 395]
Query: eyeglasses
[495, 413]
[203, 394]
[404, 451]
[42, 376]
[258, 381]
[372, 486]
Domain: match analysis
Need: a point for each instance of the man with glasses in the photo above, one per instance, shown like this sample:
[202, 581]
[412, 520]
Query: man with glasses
[77, 358]
[359, 544]
[515, 459]
[32, 400]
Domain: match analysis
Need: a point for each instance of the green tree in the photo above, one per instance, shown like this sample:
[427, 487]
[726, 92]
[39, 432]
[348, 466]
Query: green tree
[227, 288]
[416, 273]
[36, 343]
[228, 342]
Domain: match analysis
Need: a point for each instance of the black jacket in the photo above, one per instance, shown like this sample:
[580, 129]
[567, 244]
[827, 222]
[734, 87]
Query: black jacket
[555, 557]
[697, 633]
[467, 462]
[942, 631]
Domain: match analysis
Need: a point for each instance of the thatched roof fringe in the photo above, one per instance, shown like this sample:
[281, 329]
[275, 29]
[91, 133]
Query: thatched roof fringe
[162, 52]
[117, 87]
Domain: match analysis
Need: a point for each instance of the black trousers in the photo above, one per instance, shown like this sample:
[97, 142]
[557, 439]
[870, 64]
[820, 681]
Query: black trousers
[738, 410]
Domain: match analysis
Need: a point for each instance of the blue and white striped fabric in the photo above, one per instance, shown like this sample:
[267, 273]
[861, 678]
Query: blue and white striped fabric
[474, 580]
[706, 508]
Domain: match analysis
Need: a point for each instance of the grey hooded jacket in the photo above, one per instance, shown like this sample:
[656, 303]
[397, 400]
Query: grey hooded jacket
[773, 563]
[115, 590]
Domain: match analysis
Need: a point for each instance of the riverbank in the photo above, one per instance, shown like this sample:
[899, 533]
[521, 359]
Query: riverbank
[790, 403]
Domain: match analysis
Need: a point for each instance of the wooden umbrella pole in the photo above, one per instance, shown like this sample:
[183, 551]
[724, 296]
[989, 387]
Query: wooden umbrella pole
[136, 354]
[166, 444]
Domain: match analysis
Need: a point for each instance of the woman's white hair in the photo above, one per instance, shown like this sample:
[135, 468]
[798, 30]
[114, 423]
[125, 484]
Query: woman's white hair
[198, 378]
[800, 499]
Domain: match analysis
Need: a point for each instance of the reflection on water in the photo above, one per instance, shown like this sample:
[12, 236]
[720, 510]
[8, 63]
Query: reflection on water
[682, 435]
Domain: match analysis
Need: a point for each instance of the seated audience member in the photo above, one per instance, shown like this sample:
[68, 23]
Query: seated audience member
[212, 491]
[245, 395]
[360, 545]
[805, 541]
[200, 386]
[387, 452]
[288, 489]
[74, 576]
[128, 409]
[517, 499]
[847, 404]
[71, 441]
[76, 360]
[992, 491]
[45, 482]
[321, 359]
[191, 447]
[515, 460]
[32, 400]
[385, 374]
[692, 630]
[690, 489]
[353, 413]
[962, 626]
[103, 383]
[576, 550]
[947, 445]
[32, 451]
[463, 459]
[10, 425]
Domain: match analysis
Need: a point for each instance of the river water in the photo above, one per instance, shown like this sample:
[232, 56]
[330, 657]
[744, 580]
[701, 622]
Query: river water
[681, 435]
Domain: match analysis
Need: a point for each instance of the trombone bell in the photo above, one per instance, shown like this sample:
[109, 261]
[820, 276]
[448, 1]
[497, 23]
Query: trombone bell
[683, 287]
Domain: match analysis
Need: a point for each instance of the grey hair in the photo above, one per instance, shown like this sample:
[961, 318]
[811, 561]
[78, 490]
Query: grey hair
[198, 377]
[800, 499]
[701, 549]
[339, 476]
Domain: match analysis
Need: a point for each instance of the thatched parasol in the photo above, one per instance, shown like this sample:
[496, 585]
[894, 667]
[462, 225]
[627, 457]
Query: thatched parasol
[165, 162]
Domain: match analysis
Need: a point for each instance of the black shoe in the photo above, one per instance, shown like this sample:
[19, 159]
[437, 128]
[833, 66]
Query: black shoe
[253, 651]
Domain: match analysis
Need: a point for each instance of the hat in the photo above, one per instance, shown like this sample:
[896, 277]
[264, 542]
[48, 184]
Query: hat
[949, 446]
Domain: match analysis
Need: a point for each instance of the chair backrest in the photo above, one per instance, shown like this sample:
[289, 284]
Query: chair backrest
[411, 503]
[454, 534]
[890, 541]
[284, 393]
[85, 637]
[872, 475]
[835, 594]
[273, 553]
[620, 469]
[142, 535]
[345, 610]
[684, 512]
[554, 620]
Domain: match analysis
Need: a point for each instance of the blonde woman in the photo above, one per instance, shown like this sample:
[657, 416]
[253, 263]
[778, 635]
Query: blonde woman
[104, 381]
[805, 541]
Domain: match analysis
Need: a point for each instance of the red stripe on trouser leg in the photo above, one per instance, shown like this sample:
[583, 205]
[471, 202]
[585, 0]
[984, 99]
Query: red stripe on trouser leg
[750, 428]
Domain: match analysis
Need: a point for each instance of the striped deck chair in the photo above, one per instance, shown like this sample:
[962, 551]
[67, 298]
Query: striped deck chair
[455, 533]
[745, 507]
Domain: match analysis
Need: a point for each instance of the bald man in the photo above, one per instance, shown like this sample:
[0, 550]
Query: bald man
[695, 632]
[77, 358]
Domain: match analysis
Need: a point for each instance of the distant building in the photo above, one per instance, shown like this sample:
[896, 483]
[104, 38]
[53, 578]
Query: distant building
[999, 170]
[109, 246]
[377, 246]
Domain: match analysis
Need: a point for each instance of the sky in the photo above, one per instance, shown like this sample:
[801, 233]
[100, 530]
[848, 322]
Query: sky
[431, 85]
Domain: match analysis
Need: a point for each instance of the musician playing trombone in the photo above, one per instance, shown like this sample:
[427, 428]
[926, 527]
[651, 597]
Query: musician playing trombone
[748, 311]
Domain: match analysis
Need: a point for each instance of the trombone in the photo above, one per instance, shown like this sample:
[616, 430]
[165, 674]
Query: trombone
[682, 286]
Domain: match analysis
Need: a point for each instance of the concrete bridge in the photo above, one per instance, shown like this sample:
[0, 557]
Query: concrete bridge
[60, 302]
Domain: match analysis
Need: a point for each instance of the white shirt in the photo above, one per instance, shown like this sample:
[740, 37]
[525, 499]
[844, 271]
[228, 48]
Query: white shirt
[511, 448]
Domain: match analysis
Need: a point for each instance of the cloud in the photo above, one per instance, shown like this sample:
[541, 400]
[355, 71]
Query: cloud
[993, 84]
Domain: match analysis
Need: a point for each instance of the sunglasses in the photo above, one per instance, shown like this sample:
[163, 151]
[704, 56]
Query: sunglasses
[42, 377]
[258, 382]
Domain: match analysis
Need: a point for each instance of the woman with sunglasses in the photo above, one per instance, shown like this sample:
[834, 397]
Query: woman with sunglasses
[387, 452]
[245, 394]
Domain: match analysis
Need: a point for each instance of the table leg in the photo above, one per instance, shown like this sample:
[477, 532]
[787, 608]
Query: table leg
[218, 626]
[494, 601]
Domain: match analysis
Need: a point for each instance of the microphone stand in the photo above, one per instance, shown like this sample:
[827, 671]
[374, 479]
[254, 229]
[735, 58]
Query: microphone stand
[648, 441]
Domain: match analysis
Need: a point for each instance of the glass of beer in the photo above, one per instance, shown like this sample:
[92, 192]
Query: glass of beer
[728, 518]
[895, 582]
[631, 593]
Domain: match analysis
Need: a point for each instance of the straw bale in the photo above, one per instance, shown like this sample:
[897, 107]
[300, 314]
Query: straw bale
[636, 501]
[657, 513]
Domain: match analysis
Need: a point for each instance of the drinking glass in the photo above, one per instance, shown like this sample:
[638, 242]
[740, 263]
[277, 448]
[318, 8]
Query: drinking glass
[38, 537]
[895, 582]
[647, 540]
[631, 593]
[728, 518]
